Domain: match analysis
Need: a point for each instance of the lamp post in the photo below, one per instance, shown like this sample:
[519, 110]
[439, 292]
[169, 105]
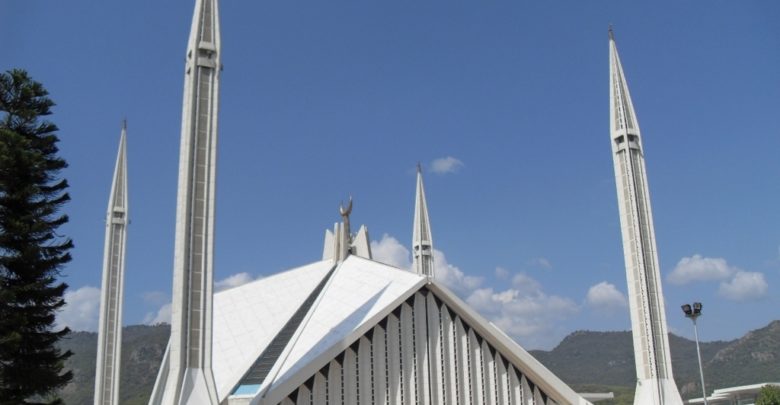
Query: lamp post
[693, 313]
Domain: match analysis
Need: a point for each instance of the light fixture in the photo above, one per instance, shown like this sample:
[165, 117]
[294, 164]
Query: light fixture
[693, 313]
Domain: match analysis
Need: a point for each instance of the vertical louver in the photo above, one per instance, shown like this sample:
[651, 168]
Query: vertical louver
[422, 353]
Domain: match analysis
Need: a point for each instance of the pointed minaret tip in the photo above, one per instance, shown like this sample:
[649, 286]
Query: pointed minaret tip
[118, 200]
[422, 241]
[107, 368]
[611, 33]
[622, 116]
[122, 138]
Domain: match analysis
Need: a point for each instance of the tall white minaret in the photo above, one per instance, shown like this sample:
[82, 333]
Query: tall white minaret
[109, 350]
[422, 242]
[190, 379]
[655, 382]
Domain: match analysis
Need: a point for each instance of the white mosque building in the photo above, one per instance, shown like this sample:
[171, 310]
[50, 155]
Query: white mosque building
[348, 329]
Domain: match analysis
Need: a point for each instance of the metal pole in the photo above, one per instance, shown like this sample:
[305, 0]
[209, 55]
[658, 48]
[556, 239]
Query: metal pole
[698, 352]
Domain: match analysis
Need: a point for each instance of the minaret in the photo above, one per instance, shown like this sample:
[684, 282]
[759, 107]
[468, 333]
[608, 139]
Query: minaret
[422, 242]
[109, 350]
[190, 379]
[655, 382]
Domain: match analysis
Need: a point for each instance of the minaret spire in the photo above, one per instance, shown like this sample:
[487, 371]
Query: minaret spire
[422, 241]
[109, 348]
[655, 382]
[189, 377]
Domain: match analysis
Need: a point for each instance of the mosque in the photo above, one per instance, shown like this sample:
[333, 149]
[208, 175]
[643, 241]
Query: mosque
[348, 329]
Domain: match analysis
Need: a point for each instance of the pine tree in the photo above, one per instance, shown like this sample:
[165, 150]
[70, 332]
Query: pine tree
[769, 395]
[32, 253]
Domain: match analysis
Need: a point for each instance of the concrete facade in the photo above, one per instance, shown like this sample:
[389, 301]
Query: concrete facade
[188, 376]
[655, 381]
[109, 350]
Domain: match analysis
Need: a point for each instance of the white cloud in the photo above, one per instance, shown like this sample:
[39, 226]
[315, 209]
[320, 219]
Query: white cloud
[698, 268]
[735, 283]
[82, 309]
[524, 311]
[605, 297]
[162, 315]
[525, 283]
[452, 276]
[389, 250]
[446, 165]
[161, 301]
[233, 281]
[744, 286]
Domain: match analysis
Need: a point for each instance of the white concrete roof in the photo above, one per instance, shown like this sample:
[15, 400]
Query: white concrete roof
[247, 318]
[357, 295]
[728, 395]
[359, 292]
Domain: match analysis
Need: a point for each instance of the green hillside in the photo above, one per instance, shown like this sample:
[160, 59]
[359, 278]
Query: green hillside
[753, 358]
[604, 361]
[142, 351]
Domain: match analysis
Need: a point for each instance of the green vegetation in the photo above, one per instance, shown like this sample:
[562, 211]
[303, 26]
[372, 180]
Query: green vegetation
[606, 359]
[142, 350]
[32, 253]
[769, 395]
[752, 359]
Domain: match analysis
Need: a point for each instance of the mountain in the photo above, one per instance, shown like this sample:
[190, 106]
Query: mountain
[594, 359]
[753, 358]
[142, 350]
[604, 361]
[588, 361]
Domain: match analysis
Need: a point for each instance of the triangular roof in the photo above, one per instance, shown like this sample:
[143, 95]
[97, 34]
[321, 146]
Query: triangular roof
[247, 318]
[352, 299]
[359, 294]
[509, 349]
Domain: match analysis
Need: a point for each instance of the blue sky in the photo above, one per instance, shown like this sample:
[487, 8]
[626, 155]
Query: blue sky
[508, 100]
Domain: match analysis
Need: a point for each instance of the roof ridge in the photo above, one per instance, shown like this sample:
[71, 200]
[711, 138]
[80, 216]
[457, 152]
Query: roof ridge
[258, 372]
[483, 330]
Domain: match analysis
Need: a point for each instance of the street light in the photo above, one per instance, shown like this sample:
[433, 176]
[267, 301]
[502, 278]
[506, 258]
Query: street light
[694, 313]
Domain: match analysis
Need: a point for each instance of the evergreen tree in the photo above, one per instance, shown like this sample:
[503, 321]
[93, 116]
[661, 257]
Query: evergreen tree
[32, 254]
[769, 395]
